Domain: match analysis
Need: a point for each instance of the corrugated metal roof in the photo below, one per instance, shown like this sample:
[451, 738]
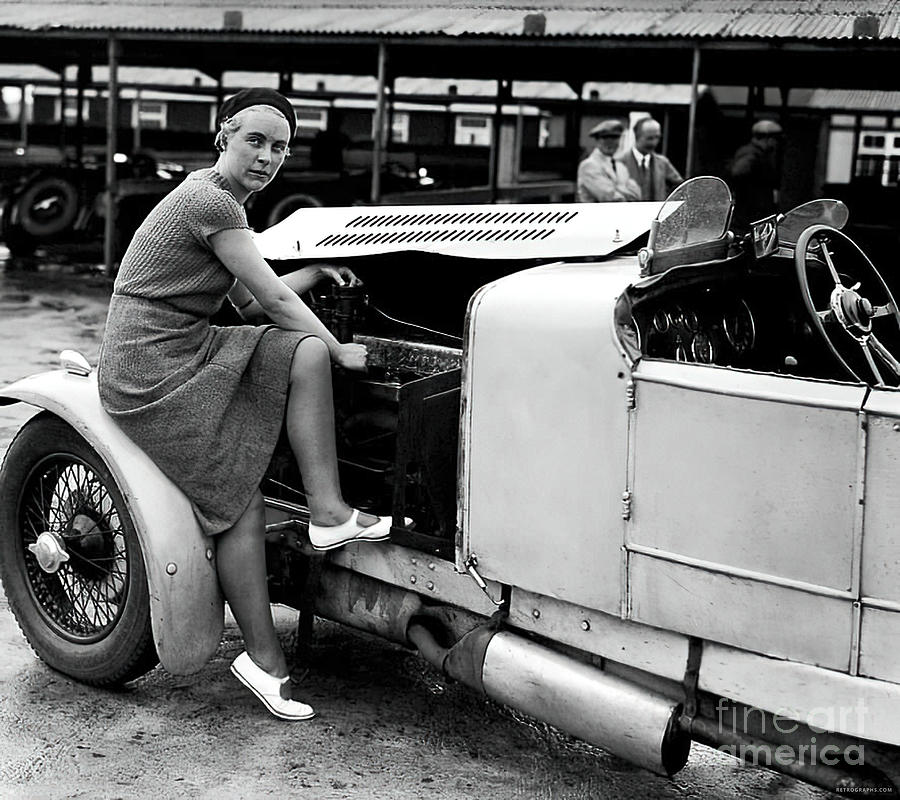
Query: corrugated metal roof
[695, 24]
[795, 26]
[813, 20]
[854, 100]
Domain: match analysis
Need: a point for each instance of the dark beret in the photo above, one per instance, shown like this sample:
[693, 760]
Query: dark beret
[257, 97]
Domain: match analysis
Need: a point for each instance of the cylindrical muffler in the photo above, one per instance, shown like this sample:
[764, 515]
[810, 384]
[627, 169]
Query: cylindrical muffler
[627, 720]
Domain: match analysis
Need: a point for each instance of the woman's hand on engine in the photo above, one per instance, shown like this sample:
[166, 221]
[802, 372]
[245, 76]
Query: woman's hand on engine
[351, 356]
[342, 276]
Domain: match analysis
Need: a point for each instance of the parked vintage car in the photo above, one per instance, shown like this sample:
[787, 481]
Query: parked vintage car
[59, 202]
[46, 202]
[653, 490]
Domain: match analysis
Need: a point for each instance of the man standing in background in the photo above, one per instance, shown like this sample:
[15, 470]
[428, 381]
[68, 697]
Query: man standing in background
[755, 176]
[602, 179]
[652, 171]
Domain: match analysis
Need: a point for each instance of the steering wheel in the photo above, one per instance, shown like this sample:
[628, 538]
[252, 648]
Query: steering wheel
[851, 310]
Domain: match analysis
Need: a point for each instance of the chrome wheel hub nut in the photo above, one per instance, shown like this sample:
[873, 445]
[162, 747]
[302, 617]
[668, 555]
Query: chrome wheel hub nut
[49, 551]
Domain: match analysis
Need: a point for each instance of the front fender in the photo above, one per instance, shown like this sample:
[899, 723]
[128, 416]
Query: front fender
[186, 604]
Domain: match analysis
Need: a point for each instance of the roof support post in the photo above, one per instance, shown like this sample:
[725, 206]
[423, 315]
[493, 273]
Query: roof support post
[136, 132]
[23, 115]
[378, 124]
[692, 114]
[573, 124]
[81, 80]
[756, 101]
[62, 111]
[389, 128]
[504, 93]
[785, 93]
[112, 126]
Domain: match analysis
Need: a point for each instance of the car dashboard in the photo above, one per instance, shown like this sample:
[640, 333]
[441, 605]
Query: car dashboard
[728, 314]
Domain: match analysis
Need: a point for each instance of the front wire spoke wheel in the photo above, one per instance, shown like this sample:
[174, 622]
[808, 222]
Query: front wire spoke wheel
[70, 559]
[85, 596]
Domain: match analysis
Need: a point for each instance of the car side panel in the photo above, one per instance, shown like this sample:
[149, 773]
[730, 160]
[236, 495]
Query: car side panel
[880, 634]
[186, 605]
[746, 512]
[544, 432]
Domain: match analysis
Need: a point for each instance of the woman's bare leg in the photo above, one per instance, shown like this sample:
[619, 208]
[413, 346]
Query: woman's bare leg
[310, 429]
[241, 565]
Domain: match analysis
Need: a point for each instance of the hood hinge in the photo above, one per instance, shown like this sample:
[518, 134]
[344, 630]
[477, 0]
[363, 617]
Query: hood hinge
[626, 505]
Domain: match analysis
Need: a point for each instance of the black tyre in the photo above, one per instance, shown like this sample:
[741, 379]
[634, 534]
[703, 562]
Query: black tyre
[85, 606]
[47, 207]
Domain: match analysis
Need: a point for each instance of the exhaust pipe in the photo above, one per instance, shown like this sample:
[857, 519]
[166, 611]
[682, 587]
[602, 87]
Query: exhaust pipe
[629, 721]
[366, 604]
[621, 717]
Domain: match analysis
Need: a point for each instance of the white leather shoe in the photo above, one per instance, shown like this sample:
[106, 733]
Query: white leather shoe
[268, 689]
[327, 537]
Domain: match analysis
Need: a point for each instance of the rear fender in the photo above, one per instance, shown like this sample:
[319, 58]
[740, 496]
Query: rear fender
[186, 604]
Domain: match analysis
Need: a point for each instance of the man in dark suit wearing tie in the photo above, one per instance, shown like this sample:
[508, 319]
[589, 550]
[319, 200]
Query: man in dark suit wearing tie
[652, 171]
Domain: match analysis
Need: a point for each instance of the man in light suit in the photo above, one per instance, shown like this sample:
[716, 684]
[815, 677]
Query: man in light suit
[652, 172]
[602, 179]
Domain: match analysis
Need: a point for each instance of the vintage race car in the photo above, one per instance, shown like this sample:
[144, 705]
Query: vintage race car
[648, 464]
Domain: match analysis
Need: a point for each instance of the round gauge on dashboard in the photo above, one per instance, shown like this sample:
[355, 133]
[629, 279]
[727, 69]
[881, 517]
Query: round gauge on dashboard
[688, 319]
[702, 349]
[630, 333]
[661, 321]
[740, 327]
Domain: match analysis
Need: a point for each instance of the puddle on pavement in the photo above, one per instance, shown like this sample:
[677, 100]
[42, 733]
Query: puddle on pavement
[28, 285]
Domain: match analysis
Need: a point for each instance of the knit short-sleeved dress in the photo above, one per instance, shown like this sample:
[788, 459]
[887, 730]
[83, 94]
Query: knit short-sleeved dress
[206, 403]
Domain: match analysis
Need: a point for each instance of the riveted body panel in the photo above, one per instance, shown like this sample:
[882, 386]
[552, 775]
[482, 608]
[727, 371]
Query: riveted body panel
[544, 432]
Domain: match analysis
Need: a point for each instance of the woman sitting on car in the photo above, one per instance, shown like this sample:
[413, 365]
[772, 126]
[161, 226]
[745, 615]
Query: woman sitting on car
[207, 403]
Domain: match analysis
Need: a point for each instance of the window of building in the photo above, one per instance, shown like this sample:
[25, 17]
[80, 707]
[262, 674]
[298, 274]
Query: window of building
[149, 114]
[865, 147]
[473, 130]
[839, 165]
[878, 151]
[10, 103]
[400, 127]
[311, 120]
[843, 121]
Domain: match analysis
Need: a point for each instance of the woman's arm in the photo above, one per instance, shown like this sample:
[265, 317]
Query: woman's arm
[299, 281]
[236, 250]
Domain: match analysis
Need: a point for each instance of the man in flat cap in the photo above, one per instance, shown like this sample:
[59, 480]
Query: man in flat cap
[602, 179]
[755, 178]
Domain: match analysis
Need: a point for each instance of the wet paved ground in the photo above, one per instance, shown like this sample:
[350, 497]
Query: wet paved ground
[389, 727]
[46, 308]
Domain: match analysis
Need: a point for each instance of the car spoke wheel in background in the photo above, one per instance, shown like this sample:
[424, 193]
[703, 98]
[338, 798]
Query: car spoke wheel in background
[70, 559]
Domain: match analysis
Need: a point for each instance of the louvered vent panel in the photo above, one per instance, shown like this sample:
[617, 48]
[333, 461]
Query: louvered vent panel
[398, 229]
[560, 230]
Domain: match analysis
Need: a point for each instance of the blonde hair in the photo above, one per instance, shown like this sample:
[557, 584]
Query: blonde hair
[232, 125]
